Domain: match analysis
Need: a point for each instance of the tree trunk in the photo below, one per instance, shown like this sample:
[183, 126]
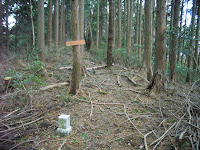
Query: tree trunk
[148, 38]
[188, 78]
[158, 79]
[174, 40]
[140, 30]
[76, 71]
[32, 25]
[81, 27]
[41, 40]
[128, 46]
[89, 42]
[195, 61]
[56, 26]
[7, 28]
[119, 24]
[61, 23]
[125, 20]
[97, 35]
[137, 30]
[1, 32]
[49, 29]
[180, 43]
[63, 26]
[110, 34]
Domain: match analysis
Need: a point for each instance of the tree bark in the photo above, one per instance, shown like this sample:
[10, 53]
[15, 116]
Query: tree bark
[148, 38]
[32, 25]
[64, 26]
[1, 32]
[180, 41]
[76, 71]
[128, 46]
[81, 28]
[56, 26]
[137, 30]
[119, 24]
[174, 40]
[41, 40]
[7, 28]
[49, 29]
[97, 34]
[110, 34]
[191, 44]
[195, 61]
[140, 30]
[158, 79]
[61, 23]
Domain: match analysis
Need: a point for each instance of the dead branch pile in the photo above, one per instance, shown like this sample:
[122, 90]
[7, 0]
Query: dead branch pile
[16, 124]
[184, 109]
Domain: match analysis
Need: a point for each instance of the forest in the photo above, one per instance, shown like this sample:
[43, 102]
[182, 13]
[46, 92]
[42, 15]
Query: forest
[126, 71]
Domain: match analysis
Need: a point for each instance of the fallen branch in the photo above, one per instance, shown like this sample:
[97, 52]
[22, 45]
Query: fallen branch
[97, 67]
[67, 68]
[62, 144]
[131, 121]
[14, 128]
[141, 77]
[91, 106]
[54, 86]
[91, 68]
[118, 80]
[162, 137]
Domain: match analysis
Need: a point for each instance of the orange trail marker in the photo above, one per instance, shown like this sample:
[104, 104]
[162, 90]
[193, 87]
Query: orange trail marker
[74, 43]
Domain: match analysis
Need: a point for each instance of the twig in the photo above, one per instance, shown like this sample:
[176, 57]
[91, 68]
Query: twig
[91, 107]
[145, 139]
[160, 138]
[12, 112]
[118, 81]
[64, 142]
[122, 137]
[21, 144]
[131, 121]
[22, 125]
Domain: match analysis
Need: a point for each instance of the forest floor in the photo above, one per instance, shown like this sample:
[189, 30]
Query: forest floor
[113, 110]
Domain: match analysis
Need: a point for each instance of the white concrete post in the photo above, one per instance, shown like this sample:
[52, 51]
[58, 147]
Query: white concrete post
[64, 127]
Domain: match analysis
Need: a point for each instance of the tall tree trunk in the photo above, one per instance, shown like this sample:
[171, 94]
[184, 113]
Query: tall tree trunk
[140, 30]
[125, 20]
[174, 40]
[148, 38]
[179, 39]
[119, 24]
[76, 71]
[128, 46]
[7, 28]
[137, 29]
[110, 34]
[41, 40]
[81, 27]
[158, 79]
[97, 35]
[49, 29]
[195, 61]
[61, 23]
[1, 32]
[188, 78]
[56, 26]
[32, 25]
[64, 26]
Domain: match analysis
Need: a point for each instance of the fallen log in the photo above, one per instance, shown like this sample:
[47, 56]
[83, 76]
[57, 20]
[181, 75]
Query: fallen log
[54, 86]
